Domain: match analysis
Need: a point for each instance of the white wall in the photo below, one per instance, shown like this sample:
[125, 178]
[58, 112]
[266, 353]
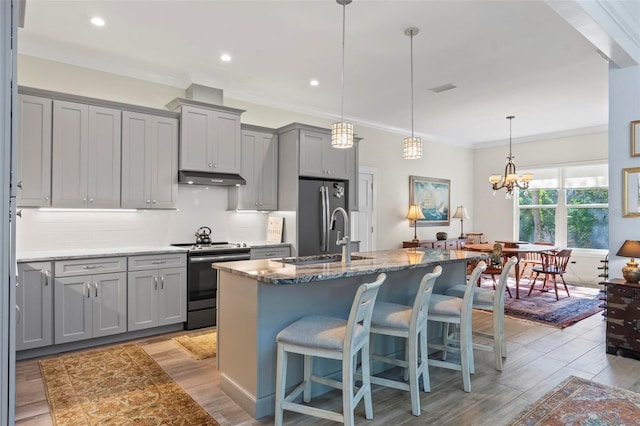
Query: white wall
[496, 214]
[198, 207]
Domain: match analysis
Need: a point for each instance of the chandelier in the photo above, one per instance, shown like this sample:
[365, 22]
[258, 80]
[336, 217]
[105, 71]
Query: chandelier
[510, 180]
[412, 145]
[342, 133]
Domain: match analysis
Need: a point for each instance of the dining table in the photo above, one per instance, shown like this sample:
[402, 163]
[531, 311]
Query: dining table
[518, 249]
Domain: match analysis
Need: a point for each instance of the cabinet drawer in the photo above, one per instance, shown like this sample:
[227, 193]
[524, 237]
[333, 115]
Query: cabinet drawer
[99, 265]
[439, 244]
[155, 261]
[270, 252]
[626, 292]
[452, 245]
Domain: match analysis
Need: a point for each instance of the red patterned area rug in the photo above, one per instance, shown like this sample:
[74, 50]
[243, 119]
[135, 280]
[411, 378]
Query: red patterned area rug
[543, 307]
[582, 402]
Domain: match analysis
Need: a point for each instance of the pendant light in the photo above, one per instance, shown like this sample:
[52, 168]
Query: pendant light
[342, 133]
[510, 180]
[412, 145]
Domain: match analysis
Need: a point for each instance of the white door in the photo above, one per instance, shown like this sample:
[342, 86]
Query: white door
[366, 231]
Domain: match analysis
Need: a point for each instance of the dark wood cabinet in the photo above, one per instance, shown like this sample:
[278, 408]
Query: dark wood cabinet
[448, 244]
[623, 318]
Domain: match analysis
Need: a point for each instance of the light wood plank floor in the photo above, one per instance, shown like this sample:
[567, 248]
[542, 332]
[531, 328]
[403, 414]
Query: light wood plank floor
[539, 358]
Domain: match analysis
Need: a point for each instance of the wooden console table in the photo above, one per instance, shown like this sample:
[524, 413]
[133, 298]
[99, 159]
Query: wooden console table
[448, 244]
[623, 318]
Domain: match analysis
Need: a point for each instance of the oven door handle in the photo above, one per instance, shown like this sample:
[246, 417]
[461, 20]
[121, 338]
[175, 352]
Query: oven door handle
[221, 258]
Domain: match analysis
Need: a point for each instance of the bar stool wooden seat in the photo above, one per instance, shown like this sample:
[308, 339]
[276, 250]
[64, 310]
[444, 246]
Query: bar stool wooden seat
[491, 300]
[410, 322]
[454, 310]
[333, 338]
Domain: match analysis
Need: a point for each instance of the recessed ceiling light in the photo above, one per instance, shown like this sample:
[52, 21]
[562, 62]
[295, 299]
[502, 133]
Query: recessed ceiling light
[97, 21]
[314, 82]
[225, 57]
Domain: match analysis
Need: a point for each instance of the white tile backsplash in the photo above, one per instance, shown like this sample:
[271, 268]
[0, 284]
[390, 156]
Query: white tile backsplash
[197, 206]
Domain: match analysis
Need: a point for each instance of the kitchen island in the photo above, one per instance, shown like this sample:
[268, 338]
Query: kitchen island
[258, 298]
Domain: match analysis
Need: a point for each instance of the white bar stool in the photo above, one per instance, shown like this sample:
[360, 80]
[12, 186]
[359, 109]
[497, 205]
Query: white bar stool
[334, 338]
[410, 322]
[491, 300]
[454, 310]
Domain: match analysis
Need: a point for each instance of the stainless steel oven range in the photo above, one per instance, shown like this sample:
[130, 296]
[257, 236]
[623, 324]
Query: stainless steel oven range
[202, 280]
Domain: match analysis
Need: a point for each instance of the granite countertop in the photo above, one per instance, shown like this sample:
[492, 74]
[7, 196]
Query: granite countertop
[277, 271]
[53, 255]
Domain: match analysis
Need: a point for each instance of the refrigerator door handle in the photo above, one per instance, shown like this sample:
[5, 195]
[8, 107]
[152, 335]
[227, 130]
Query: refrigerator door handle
[327, 212]
[323, 243]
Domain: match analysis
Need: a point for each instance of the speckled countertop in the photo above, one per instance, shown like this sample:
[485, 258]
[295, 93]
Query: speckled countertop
[275, 271]
[53, 255]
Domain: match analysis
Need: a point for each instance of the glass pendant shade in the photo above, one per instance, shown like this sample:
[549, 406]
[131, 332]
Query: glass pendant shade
[412, 148]
[342, 135]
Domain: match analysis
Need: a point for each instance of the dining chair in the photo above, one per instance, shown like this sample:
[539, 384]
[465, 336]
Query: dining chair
[553, 264]
[454, 310]
[475, 237]
[491, 300]
[496, 266]
[410, 323]
[333, 338]
[533, 259]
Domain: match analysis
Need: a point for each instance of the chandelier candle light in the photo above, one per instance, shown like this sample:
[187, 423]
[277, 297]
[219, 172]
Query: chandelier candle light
[415, 213]
[510, 180]
[412, 145]
[342, 133]
[461, 213]
[631, 272]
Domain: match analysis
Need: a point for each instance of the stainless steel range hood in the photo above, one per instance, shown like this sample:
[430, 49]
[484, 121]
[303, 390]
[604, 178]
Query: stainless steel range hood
[207, 178]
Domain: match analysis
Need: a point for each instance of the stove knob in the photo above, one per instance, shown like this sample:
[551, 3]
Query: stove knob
[244, 244]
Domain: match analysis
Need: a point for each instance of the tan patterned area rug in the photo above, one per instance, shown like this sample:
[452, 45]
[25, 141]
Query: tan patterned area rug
[199, 346]
[582, 402]
[119, 385]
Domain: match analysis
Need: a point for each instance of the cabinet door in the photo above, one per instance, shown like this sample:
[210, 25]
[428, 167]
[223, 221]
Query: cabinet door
[311, 147]
[109, 300]
[142, 299]
[164, 162]
[70, 154]
[72, 309]
[34, 299]
[354, 177]
[136, 160]
[225, 128]
[196, 139]
[335, 161]
[34, 151]
[103, 167]
[247, 195]
[172, 296]
[267, 171]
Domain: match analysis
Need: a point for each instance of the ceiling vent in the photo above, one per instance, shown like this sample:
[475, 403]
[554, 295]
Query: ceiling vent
[443, 88]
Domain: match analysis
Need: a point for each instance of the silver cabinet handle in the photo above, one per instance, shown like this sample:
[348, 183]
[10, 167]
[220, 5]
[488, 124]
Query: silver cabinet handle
[155, 283]
[158, 262]
[95, 284]
[91, 266]
[19, 319]
[91, 200]
[154, 201]
[88, 287]
[210, 164]
[84, 200]
[19, 184]
[161, 282]
[47, 275]
[46, 198]
[19, 213]
[148, 201]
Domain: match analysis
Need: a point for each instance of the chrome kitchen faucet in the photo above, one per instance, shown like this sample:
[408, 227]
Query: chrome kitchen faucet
[345, 241]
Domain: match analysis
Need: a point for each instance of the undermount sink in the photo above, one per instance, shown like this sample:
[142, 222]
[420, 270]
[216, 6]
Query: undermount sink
[314, 260]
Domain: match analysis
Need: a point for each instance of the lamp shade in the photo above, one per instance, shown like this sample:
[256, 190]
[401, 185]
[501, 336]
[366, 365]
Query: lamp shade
[630, 248]
[415, 212]
[461, 213]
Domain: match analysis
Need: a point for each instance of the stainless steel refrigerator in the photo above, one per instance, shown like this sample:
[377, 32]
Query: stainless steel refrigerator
[317, 199]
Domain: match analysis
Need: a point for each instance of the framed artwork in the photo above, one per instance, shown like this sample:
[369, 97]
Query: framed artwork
[433, 196]
[635, 138]
[631, 192]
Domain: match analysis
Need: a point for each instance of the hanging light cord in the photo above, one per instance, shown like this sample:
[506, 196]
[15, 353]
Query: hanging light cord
[511, 117]
[412, 85]
[344, 13]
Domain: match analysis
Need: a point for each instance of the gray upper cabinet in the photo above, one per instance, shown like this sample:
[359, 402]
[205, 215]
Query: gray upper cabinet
[353, 161]
[210, 139]
[149, 161]
[86, 155]
[319, 159]
[259, 169]
[34, 305]
[34, 151]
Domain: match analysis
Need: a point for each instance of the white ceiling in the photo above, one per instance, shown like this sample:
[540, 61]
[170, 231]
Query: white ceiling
[505, 57]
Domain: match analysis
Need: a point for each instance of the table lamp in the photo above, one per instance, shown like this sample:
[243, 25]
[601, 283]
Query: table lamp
[631, 272]
[461, 213]
[415, 213]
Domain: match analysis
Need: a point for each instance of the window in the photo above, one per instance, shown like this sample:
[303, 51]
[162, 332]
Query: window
[566, 205]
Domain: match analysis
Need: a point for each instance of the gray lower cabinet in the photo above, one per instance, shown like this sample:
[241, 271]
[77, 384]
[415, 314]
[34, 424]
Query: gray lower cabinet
[88, 306]
[270, 252]
[86, 155]
[34, 151]
[260, 170]
[34, 304]
[149, 161]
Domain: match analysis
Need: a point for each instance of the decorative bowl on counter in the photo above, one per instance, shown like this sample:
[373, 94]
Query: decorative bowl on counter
[441, 235]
